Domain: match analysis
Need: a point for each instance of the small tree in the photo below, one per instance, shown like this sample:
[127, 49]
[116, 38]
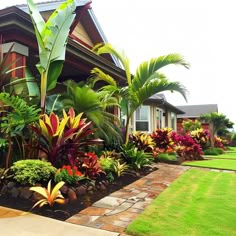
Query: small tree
[146, 82]
[217, 121]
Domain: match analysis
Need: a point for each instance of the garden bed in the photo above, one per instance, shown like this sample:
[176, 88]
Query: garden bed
[63, 212]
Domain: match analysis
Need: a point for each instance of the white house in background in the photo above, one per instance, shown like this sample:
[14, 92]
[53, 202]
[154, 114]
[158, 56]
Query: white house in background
[155, 113]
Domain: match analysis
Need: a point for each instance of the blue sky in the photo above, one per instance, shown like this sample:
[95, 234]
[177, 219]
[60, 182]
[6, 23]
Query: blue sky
[202, 31]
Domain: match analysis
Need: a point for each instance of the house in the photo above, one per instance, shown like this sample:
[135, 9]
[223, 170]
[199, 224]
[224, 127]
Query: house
[155, 113]
[16, 28]
[194, 112]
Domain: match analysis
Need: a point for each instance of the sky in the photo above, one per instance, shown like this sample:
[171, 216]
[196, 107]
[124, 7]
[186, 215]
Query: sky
[203, 32]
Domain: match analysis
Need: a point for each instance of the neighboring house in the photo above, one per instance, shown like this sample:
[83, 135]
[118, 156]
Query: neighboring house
[194, 112]
[155, 113]
[16, 27]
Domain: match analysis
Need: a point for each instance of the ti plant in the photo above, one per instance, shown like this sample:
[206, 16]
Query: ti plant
[51, 37]
[62, 139]
[91, 166]
[50, 196]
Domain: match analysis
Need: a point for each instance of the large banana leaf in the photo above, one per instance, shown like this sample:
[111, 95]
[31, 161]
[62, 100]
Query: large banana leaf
[52, 37]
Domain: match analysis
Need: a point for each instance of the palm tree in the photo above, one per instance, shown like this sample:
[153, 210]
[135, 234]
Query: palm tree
[94, 105]
[146, 82]
[216, 122]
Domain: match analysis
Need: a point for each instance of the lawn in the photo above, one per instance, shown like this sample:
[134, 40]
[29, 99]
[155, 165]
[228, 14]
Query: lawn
[225, 164]
[231, 154]
[197, 203]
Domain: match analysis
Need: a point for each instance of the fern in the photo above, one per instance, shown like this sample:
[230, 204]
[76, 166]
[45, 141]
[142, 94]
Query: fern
[20, 114]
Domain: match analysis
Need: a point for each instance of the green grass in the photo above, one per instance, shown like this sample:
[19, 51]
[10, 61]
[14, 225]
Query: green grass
[197, 203]
[214, 163]
[230, 154]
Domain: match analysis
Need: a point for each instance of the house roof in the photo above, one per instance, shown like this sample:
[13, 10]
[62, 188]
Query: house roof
[195, 111]
[93, 27]
[159, 99]
[16, 26]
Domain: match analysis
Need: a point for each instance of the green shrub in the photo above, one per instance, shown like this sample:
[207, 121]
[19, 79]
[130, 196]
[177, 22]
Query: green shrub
[32, 171]
[167, 157]
[213, 151]
[107, 164]
[136, 159]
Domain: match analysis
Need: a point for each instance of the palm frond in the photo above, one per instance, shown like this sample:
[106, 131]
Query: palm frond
[99, 75]
[119, 54]
[147, 70]
[156, 86]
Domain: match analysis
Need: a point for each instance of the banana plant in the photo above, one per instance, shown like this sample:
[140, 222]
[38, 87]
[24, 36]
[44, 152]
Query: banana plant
[51, 37]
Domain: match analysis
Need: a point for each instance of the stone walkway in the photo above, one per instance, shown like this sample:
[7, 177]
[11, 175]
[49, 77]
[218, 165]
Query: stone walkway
[116, 211]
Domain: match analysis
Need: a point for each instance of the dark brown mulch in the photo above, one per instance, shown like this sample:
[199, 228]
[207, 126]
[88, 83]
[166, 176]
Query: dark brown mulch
[63, 212]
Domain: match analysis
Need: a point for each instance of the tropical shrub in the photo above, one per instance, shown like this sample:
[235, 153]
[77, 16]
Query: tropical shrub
[62, 139]
[143, 141]
[218, 142]
[163, 139]
[186, 147]
[32, 171]
[68, 174]
[113, 167]
[136, 159]
[90, 165]
[201, 137]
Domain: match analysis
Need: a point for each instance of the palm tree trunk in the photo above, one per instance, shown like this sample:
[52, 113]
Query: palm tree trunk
[127, 130]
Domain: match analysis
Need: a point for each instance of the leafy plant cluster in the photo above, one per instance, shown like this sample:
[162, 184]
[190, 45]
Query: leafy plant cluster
[68, 174]
[32, 171]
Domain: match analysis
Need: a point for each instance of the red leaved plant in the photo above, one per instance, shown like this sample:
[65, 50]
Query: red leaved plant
[91, 166]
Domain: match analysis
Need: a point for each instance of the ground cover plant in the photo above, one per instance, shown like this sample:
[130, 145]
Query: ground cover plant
[197, 203]
[225, 164]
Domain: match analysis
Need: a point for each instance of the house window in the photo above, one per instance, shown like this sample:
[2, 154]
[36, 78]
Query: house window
[142, 119]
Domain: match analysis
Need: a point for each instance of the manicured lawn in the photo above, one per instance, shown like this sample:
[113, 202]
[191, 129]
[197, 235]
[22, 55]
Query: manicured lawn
[197, 203]
[225, 164]
[231, 154]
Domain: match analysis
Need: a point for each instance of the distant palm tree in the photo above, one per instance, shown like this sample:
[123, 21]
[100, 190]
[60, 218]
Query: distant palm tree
[94, 106]
[216, 122]
[146, 82]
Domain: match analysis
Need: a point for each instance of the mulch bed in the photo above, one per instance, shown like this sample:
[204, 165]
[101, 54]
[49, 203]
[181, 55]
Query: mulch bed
[63, 212]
